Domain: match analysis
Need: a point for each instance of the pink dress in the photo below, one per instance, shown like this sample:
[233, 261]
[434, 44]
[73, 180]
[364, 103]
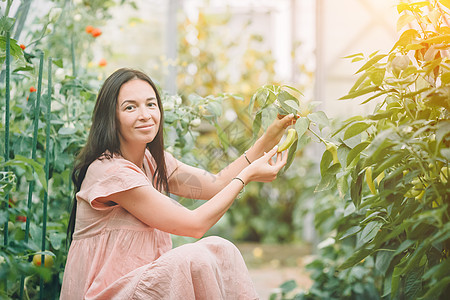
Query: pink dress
[114, 255]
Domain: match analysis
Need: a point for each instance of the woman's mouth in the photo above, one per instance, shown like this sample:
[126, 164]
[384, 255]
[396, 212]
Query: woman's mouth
[144, 127]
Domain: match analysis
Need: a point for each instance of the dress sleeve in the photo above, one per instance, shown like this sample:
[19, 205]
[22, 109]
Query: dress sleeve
[109, 176]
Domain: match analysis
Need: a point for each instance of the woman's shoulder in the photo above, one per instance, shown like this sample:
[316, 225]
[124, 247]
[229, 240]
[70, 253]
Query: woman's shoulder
[106, 164]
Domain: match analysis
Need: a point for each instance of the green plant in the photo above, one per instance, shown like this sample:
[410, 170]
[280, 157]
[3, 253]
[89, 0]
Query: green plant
[402, 219]
[329, 283]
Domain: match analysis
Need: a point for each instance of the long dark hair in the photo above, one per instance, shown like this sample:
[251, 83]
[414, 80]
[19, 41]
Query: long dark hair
[104, 139]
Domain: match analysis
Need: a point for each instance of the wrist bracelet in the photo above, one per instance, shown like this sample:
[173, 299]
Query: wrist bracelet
[243, 183]
[246, 158]
[243, 188]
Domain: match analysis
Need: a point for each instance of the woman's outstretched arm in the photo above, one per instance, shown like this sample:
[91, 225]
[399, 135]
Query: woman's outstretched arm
[204, 185]
[159, 211]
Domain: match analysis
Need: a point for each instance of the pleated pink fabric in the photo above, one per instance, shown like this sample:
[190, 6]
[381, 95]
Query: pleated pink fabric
[114, 255]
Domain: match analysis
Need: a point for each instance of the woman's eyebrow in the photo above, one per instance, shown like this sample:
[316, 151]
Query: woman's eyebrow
[134, 101]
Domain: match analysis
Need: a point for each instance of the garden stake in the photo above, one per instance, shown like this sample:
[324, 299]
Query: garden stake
[7, 96]
[37, 106]
[47, 158]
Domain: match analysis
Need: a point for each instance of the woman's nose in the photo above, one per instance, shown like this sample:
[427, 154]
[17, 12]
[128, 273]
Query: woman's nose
[144, 113]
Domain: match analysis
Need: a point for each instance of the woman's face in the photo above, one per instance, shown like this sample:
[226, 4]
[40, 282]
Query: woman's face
[137, 113]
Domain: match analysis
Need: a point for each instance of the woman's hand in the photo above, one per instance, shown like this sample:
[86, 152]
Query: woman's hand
[265, 168]
[275, 131]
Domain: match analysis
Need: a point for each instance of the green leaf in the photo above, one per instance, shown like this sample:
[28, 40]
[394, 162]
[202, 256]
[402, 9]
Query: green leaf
[320, 118]
[292, 88]
[407, 37]
[58, 62]
[56, 239]
[256, 126]
[354, 55]
[438, 39]
[67, 131]
[358, 82]
[38, 169]
[222, 137]
[6, 24]
[355, 258]
[403, 6]
[294, 105]
[413, 283]
[301, 126]
[285, 100]
[437, 288]
[288, 286]
[383, 260]
[377, 75]
[327, 182]
[369, 232]
[360, 92]
[371, 62]
[291, 155]
[393, 159]
[443, 130]
[351, 231]
[356, 128]
[404, 20]
[356, 188]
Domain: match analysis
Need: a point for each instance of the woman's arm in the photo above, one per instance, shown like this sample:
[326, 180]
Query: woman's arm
[159, 211]
[190, 182]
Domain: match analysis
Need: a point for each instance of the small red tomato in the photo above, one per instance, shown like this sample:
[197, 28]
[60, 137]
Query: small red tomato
[96, 32]
[89, 28]
[32, 89]
[22, 46]
[102, 62]
[21, 218]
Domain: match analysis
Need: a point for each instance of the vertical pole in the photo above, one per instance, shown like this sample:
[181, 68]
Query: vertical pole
[37, 106]
[8, 98]
[46, 168]
[293, 39]
[319, 82]
[171, 47]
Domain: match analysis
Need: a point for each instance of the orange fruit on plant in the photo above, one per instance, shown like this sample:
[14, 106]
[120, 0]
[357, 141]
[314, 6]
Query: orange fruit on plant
[89, 29]
[102, 62]
[96, 32]
[48, 260]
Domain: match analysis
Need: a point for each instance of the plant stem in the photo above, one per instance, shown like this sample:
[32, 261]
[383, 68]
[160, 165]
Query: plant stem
[321, 139]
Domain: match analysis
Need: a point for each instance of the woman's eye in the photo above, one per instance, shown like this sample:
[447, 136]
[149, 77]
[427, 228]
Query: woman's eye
[129, 107]
[151, 104]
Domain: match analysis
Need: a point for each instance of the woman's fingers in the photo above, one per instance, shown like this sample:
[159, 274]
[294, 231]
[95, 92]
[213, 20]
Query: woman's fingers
[287, 120]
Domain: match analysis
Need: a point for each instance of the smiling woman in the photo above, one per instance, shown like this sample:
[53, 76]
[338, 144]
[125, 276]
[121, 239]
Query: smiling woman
[123, 216]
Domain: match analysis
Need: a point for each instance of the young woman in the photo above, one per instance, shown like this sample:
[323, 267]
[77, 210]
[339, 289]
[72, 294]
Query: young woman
[122, 217]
